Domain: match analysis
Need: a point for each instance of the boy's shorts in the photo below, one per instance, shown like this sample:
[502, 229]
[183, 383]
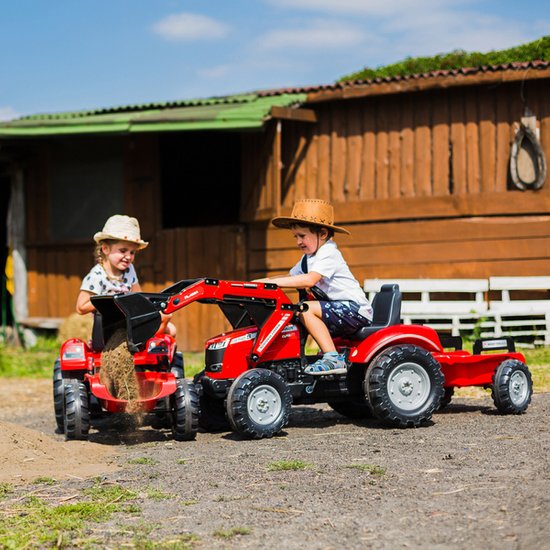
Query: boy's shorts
[343, 318]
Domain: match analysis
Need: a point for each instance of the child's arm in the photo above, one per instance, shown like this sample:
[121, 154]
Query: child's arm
[84, 303]
[304, 280]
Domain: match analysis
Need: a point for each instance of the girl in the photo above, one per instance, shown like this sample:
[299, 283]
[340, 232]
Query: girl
[116, 247]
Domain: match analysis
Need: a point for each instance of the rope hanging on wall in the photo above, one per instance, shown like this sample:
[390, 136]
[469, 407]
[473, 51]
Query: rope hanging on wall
[527, 160]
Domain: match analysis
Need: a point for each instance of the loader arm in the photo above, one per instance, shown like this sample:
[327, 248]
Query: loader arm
[264, 304]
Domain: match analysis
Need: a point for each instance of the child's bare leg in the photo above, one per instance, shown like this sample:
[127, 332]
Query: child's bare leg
[312, 320]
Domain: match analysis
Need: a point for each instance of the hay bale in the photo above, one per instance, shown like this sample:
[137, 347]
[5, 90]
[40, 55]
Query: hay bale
[76, 326]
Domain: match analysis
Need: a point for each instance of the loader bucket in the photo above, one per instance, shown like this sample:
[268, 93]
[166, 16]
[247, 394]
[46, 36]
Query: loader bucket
[137, 312]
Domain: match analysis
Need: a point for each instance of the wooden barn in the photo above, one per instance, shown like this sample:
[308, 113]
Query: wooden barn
[417, 167]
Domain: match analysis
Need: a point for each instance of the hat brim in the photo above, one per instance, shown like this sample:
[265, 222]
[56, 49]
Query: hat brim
[286, 222]
[98, 237]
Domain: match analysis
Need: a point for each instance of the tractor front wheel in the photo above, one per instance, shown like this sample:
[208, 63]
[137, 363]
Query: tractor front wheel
[258, 404]
[58, 396]
[404, 386]
[184, 411]
[76, 416]
[512, 387]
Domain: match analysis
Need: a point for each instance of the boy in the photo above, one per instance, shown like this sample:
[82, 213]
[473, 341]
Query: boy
[345, 309]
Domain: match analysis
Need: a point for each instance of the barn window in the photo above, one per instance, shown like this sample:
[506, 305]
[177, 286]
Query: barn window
[200, 178]
[86, 186]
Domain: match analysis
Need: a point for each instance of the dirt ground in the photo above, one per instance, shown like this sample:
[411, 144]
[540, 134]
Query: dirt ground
[473, 478]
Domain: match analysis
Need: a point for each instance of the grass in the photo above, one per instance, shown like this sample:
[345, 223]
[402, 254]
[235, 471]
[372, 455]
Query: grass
[232, 532]
[371, 469]
[285, 465]
[143, 460]
[35, 523]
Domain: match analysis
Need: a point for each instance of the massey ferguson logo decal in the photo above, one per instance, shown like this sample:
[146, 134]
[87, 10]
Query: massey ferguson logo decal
[190, 295]
[273, 332]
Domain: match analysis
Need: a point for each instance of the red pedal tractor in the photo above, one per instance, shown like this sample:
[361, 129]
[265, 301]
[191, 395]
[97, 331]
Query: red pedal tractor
[399, 374]
[78, 392]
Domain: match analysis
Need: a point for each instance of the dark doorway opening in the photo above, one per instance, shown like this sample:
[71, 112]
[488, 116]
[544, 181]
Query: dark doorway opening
[200, 178]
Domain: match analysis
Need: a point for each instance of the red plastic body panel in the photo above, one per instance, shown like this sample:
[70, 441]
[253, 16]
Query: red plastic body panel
[461, 369]
[152, 387]
[418, 335]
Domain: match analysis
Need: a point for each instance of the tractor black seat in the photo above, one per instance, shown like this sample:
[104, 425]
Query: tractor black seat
[387, 311]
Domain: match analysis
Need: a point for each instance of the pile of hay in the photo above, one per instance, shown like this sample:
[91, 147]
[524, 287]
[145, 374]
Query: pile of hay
[117, 371]
[76, 326]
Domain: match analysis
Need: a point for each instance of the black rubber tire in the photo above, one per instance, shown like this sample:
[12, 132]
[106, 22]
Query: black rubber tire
[447, 398]
[512, 387]
[396, 374]
[355, 407]
[177, 368]
[76, 416]
[213, 417]
[184, 411]
[258, 404]
[58, 396]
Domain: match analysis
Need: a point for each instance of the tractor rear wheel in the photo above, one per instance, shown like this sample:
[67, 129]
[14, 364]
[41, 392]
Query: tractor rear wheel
[404, 386]
[76, 416]
[176, 367]
[512, 387]
[58, 396]
[447, 398]
[258, 404]
[213, 417]
[184, 411]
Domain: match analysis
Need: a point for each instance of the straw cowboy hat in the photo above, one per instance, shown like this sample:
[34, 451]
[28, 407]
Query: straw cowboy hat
[310, 212]
[121, 228]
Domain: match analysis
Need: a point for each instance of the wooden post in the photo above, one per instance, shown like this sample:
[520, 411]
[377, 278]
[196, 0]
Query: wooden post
[277, 167]
[16, 242]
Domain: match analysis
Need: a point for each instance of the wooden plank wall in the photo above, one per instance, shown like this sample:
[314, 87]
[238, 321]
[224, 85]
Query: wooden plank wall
[424, 144]
[422, 182]
[56, 272]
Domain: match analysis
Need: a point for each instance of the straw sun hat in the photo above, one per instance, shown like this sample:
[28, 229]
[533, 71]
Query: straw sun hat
[121, 228]
[310, 212]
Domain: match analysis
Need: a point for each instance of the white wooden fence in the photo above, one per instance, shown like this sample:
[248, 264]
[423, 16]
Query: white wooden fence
[463, 305]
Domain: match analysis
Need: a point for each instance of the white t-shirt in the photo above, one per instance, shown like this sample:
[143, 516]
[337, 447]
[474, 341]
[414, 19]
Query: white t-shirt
[98, 282]
[337, 281]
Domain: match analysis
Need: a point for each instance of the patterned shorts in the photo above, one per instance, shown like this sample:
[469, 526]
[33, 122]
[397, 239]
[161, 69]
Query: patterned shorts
[342, 318]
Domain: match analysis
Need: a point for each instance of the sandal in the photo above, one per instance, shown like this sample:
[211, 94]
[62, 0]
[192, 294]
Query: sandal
[323, 367]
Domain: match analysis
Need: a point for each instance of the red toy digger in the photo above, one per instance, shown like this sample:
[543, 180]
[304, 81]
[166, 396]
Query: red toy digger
[78, 391]
[400, 374]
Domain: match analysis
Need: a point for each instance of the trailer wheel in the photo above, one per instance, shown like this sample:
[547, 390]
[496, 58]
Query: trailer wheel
[58, 396]
[184, 411]
[258, 404]
[404, 386]
[76, 416]
[512, 387]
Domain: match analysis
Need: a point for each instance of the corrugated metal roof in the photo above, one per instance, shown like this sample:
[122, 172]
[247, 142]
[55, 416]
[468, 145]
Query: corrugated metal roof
[241, 111]
[224, 113]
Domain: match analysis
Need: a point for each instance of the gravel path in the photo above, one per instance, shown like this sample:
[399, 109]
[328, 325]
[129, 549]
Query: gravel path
[473, 478]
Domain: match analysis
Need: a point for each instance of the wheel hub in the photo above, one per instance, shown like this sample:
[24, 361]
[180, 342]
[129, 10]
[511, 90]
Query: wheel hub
[409, 386]
[518, 387]
[264, 404]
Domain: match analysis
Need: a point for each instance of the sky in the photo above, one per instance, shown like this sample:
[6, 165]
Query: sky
[65, 55]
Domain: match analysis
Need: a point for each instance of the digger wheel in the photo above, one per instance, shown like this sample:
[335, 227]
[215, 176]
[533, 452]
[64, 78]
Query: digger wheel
[76, 416]
[184, 411]
[258, 404]
[176, 367]
[58, 396]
